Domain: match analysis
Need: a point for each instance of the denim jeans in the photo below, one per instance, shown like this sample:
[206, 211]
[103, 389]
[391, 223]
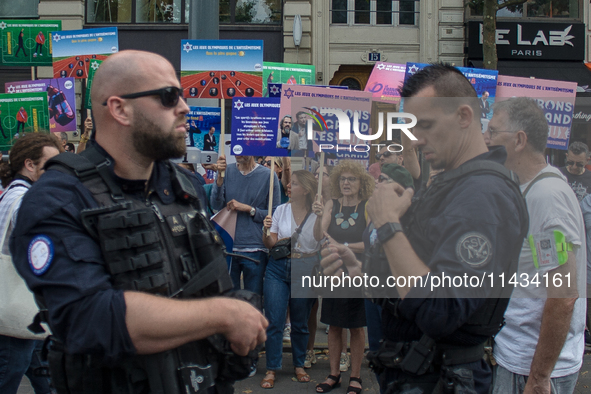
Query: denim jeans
[373, 317]
[253, 273]
[276, 298]
[17, 358]
[507, 382]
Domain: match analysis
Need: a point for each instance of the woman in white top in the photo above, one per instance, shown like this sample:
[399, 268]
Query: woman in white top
[282, 279]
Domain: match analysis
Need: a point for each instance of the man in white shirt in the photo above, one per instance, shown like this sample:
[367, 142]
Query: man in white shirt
[540, 348]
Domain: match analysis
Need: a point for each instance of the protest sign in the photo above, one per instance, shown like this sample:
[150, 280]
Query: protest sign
[285, 73]
[384, 81]
[27, 42]
[556, 98]
[275, 88]
[309, 102]
[94, 65]
[255, 127]
[22, 113]
[222, 68]
[201, 120]
[73, 50]
[61, 98]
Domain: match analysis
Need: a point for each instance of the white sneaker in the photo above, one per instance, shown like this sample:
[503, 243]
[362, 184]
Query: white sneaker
[310, 359]
[287, 333]
[345, 362]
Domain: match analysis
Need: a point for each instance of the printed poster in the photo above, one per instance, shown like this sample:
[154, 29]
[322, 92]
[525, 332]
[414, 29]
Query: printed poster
[73, 50]
[27, 42]
[204, 128]
[289, 74]
[255, 125]
[222, 68]
[22, 113]
[384, 81]
[61, 98]
[94, 65]
[556, 98]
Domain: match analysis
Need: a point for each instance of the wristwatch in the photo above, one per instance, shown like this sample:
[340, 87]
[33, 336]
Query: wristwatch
[252, 211]
[387, 231]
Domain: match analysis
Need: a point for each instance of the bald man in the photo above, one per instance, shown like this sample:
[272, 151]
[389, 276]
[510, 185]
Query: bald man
[122, 256]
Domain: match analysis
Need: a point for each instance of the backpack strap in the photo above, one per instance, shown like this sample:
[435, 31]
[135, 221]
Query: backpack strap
[539, 178]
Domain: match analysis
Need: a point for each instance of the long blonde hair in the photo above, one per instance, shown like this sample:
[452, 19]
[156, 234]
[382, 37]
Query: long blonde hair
[308, 183]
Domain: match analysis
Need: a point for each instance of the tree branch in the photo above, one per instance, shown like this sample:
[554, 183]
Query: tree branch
[510, 3]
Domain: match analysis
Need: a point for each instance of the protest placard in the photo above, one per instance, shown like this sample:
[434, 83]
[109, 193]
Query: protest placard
[94, 65]
[556, 98]
[385, 80]
[204, 128]
[255, 127]
[61, 98]
[222, 68]
[73, 50]
[27, 42]
[22, 113]
[289, 74]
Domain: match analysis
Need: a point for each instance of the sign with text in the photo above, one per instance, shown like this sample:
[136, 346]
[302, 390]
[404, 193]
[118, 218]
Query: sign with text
[27, 42]
[94, 65]
[384, 81]
[22, 113]
[255, 122]
[222, 68]
[556, 98]
[531, 40]
[61, 98]
[73, 50]
[204, 127]
[289, 74]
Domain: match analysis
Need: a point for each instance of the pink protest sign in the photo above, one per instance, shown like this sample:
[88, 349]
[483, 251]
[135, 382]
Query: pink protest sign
[384, 81]
[556, 98]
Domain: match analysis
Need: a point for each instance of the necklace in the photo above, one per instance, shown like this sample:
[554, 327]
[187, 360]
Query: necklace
[345, 224]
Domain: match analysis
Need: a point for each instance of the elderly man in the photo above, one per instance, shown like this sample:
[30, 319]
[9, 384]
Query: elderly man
[540, 348]
[471, 222]
[121, 254]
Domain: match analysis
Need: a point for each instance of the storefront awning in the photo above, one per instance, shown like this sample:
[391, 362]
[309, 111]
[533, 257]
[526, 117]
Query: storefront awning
[558, 71]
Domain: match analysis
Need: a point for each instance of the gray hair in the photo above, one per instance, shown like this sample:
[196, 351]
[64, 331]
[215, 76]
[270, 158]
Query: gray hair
[579, 147]
[525, 114]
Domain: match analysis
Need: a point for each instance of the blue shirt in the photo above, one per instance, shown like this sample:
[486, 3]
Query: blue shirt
[85, 312]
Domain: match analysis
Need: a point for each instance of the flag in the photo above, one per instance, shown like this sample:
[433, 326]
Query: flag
[225, 223]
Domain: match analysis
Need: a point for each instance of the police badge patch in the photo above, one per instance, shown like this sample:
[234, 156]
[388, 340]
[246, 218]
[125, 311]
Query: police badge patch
[474, 249]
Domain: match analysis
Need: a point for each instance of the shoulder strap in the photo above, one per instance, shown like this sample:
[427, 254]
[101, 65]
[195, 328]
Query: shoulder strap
[539, 178]
[486, 166]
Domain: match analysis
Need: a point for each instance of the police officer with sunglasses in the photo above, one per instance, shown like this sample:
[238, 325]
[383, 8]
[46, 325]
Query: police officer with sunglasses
[120, 252]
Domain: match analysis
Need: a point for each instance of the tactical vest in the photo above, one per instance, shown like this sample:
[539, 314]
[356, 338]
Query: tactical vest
[488, 320]
[170, 250]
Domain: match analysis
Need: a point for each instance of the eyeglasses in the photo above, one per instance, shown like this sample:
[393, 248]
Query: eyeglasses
[573, 163]
[493, 132]
[384, 178]
[169, 96]
[350, 179]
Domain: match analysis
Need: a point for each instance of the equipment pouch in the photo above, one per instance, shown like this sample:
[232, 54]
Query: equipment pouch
[196, 379]
[455, 380]
[419, 357]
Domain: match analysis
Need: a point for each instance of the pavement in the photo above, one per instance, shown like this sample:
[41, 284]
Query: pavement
[285, 379]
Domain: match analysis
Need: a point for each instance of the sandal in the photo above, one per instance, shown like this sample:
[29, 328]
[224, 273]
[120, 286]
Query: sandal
[353, 389]
[268, 382]
[302, 377]
[325, 387]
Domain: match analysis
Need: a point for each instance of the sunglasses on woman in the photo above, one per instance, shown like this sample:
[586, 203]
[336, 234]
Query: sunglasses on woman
[169, 96]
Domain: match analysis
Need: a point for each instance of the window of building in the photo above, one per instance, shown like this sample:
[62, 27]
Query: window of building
[171, 11]
[533, 9]
[375, 12]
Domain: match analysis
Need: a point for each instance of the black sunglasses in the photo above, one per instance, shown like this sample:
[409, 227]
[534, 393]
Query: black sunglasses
[169, 97]
[578, 164]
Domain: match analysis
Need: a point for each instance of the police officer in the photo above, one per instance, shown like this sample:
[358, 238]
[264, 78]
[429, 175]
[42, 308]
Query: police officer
[116, 246]
[470, 221]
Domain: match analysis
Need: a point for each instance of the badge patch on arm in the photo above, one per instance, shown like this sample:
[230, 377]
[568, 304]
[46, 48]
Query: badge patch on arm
[40, 254]
[474, 249]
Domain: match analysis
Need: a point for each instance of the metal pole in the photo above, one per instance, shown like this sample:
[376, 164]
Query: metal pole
[204, 20]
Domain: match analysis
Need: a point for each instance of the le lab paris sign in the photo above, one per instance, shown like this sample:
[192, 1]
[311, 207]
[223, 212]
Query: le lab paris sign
[531, 40]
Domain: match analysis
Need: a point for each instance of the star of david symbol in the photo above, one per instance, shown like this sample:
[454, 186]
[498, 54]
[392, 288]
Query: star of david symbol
[275, 89]
[238, 105]
[288, 93]
[2, 25]
[413, 69]
[381, 66]
[187, 47]
[11, 89]
[57, 37]
[94, 65]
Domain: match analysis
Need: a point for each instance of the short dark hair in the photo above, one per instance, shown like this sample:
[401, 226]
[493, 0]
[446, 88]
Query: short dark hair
[301, 113]
[447, 81]
[525, 114]
[579, 147]
[29, 146]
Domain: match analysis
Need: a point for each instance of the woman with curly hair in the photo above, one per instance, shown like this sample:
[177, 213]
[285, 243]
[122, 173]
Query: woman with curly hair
[344, 219]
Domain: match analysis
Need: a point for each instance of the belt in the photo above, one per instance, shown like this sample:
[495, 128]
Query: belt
[298, 255]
